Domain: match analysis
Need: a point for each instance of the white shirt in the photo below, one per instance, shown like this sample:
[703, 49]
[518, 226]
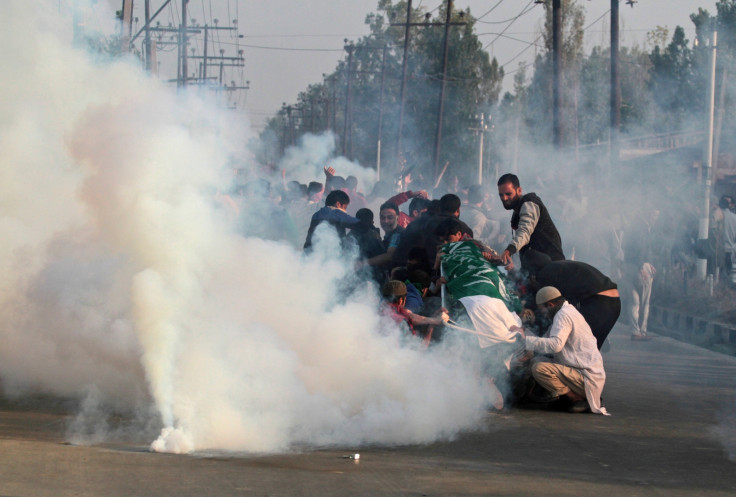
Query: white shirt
[729, 231]
[572, 344]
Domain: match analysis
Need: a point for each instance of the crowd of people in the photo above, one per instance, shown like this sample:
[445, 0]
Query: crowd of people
[448, 264]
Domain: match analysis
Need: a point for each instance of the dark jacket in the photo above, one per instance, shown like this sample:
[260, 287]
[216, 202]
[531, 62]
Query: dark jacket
[545, 238]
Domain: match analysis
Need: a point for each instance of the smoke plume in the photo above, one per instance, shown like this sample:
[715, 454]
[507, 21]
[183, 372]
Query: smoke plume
[123, 282]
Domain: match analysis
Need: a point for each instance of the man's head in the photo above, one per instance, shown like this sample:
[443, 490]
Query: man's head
[509, 191]
[388, 216]
[395, 292]
[417, 206]
[351, 183]
[450, 204]
[549, 299]
[335, 183]
[449, 230]
[365, 215]
[337, 199]
[314, 190]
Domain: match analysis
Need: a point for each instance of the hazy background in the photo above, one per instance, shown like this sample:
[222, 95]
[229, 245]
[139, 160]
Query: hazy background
[289, 44]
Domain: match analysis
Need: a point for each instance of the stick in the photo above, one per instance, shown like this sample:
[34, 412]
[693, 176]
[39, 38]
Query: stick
[466, 330]
[442, 173]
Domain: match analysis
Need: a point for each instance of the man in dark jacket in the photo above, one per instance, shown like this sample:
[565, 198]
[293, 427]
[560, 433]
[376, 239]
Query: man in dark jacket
[590, 291]
[536, 238]
[334, 213]
[421, 231]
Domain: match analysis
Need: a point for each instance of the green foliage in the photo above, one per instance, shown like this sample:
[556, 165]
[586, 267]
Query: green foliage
[473, 83]
[663, 88]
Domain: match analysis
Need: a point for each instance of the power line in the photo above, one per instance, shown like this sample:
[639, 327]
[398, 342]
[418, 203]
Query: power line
[533, 43]
[478, 19]
[288, 49]
[525, 10]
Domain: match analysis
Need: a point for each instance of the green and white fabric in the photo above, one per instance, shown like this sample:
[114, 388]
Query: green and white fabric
[468, 273]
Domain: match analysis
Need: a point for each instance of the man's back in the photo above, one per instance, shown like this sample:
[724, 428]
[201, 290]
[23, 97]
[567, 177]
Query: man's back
[574, 279]
[729, 231]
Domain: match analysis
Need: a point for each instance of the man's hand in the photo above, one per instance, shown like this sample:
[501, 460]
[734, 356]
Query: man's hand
[329, 171]
[420, 194]
[506, 257]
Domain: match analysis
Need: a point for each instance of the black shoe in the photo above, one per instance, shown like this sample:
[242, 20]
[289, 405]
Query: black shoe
[541, 396]
[579, 406]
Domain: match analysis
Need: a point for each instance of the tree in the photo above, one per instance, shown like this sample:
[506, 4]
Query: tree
[539, 116]
[672, 85]
[473, 84]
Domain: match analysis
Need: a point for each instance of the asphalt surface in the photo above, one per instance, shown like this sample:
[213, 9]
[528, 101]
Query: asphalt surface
[672, 432]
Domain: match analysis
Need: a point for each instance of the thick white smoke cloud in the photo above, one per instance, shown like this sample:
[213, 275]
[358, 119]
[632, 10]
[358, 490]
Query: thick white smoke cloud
[305, 161]
[121, 275]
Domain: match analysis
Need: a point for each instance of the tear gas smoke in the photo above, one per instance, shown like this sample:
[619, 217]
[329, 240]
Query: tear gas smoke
[306, 161]
[124, 283]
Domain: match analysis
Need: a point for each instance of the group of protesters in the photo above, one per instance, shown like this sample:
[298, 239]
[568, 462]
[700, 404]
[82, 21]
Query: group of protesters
[539, 327]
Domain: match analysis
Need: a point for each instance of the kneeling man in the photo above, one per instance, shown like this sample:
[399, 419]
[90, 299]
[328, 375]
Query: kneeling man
[576, 369]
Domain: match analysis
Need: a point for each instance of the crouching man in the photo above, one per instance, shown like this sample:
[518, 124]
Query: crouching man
[394, 293]
[576, 369]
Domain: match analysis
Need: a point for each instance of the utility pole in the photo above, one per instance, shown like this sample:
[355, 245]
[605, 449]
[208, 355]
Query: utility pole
[380, 115]
[615, 89]
[349, 47]
[147, 41]
[702, 265]
[402, 97]
[443, 85]
[556, 62]
[183, 72]
[481, 131]
[402, 93]
[126, 16]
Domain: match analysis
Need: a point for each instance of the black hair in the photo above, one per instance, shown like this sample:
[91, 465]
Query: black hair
[509, 178]
[351, 182]
[448, 226]
[389, 205]
[450, 203]
[365, 215]
[314, 187]
[418, 204]
[336, 196]
[400, 273]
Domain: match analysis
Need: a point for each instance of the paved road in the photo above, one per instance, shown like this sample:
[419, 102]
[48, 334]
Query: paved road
[672, 433]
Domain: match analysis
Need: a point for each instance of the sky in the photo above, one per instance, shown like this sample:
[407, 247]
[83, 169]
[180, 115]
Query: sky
[289, 44]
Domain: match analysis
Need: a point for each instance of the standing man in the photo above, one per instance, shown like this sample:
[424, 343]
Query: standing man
[639, 256]
[576, 370]
[729, 237]
[536, 238]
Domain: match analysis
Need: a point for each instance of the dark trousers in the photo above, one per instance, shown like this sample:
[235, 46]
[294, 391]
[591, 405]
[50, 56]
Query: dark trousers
[601, 313]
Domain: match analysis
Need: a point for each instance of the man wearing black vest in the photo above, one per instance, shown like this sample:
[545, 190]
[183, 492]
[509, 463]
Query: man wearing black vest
[535, 236]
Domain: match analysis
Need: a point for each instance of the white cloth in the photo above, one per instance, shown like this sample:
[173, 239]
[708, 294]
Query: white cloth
[572, 343]
[490, 316]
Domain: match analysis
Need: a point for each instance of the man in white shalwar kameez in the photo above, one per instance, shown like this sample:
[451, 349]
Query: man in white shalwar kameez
[576, 370]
